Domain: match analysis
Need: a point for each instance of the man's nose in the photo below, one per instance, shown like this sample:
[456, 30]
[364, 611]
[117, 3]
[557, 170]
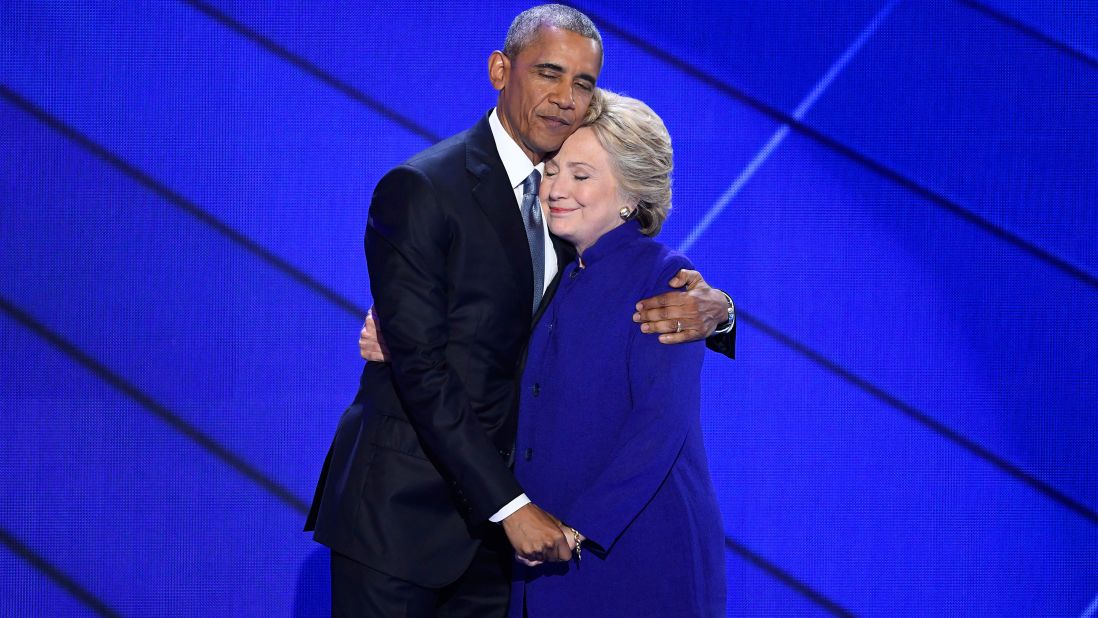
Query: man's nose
[562, 96]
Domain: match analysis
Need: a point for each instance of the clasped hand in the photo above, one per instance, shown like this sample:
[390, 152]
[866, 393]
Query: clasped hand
[537, 536]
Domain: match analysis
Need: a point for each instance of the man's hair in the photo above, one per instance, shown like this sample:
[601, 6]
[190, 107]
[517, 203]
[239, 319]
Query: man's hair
[524, 28]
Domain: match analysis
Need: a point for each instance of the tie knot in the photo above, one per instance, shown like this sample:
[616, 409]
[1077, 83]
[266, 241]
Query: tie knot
[532, 183]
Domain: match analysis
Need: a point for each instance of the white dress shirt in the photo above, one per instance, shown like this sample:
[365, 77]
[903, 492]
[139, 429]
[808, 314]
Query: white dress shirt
[518, 167]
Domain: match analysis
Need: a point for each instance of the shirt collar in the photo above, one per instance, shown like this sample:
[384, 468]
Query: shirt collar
[515, 161]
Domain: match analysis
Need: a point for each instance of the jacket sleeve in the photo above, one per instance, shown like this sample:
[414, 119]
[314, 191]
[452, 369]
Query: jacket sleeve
[724, 343]
[665, 387]
[408, 239]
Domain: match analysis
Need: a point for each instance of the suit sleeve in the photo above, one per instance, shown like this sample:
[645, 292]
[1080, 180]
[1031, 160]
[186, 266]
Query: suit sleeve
[724, 343]
[665, 387]
[408, 237]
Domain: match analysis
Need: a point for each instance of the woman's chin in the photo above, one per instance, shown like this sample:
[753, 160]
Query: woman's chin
[563, 232]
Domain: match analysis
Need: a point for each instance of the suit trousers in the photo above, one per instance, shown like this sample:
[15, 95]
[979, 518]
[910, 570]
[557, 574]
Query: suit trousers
[482, 591]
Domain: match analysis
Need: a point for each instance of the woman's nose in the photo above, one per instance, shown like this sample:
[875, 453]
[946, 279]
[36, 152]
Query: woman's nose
[551, 191]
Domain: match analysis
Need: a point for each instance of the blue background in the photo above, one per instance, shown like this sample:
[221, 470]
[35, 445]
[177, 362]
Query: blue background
[901, 197]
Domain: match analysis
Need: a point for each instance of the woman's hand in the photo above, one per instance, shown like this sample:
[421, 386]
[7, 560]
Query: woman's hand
[370, 344]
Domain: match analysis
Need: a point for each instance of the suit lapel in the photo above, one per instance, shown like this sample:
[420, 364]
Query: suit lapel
[565, 254]
[493, 193]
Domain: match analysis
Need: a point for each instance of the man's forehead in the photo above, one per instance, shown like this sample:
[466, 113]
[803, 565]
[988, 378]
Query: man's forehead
[562, 47]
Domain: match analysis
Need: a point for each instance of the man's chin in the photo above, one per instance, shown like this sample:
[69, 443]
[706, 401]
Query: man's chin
[550, 147]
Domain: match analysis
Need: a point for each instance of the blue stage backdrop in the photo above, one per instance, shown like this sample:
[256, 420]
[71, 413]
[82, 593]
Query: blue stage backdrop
[902, 197]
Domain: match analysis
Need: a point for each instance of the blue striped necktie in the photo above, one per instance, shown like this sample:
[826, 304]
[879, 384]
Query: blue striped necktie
[531, 219]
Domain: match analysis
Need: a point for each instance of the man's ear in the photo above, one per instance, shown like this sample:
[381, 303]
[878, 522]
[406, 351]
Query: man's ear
[499, 66]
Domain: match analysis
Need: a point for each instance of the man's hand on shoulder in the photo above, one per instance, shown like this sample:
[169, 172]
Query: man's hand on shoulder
[536, 536]
[370, 344]
[689, 314]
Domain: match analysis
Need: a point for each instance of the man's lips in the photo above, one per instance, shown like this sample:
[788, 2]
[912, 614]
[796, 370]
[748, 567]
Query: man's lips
[556, 122]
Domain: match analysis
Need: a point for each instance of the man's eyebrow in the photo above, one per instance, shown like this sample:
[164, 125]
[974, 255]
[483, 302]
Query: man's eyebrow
[551, 66]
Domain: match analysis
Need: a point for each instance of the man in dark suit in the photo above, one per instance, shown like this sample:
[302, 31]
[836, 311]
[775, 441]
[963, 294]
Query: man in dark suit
[417, 500]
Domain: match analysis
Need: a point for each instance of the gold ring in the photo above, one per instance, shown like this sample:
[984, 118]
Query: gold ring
[678, 326]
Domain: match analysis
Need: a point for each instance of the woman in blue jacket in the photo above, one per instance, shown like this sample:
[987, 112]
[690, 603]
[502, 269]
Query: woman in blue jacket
[609, 435]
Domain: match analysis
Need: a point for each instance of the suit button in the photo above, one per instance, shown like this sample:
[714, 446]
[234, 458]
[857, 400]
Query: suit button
[528, 454]
[536, 389]
[505, 453]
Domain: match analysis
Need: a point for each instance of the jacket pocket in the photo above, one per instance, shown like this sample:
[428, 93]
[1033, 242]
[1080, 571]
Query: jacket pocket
[397, 434]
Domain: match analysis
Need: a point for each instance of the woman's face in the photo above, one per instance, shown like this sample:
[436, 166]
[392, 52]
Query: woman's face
[581, 191]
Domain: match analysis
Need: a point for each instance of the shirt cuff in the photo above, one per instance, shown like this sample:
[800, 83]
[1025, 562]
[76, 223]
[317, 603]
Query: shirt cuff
[509, 508]
[727, 327]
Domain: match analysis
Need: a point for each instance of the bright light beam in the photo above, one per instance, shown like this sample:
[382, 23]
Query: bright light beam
[780, 135]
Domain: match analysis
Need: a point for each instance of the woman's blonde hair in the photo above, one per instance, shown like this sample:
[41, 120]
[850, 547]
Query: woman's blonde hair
[640, 150]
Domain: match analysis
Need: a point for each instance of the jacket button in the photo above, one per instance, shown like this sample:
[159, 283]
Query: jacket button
[536, 389]
[505, 453]
[528, 454]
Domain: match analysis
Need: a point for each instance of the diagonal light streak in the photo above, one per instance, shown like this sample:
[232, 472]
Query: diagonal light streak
[779, 136]
[1090, 611]
[65, 581]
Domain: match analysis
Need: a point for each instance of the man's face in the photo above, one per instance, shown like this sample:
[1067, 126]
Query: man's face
[544, 92]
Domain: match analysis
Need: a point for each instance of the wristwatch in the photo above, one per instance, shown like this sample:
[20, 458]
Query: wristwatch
[731, 323]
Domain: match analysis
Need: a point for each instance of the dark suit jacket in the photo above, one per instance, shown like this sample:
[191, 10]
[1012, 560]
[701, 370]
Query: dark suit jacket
[421, 459]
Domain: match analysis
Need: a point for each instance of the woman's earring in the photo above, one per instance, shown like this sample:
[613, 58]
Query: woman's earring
[625, 213]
